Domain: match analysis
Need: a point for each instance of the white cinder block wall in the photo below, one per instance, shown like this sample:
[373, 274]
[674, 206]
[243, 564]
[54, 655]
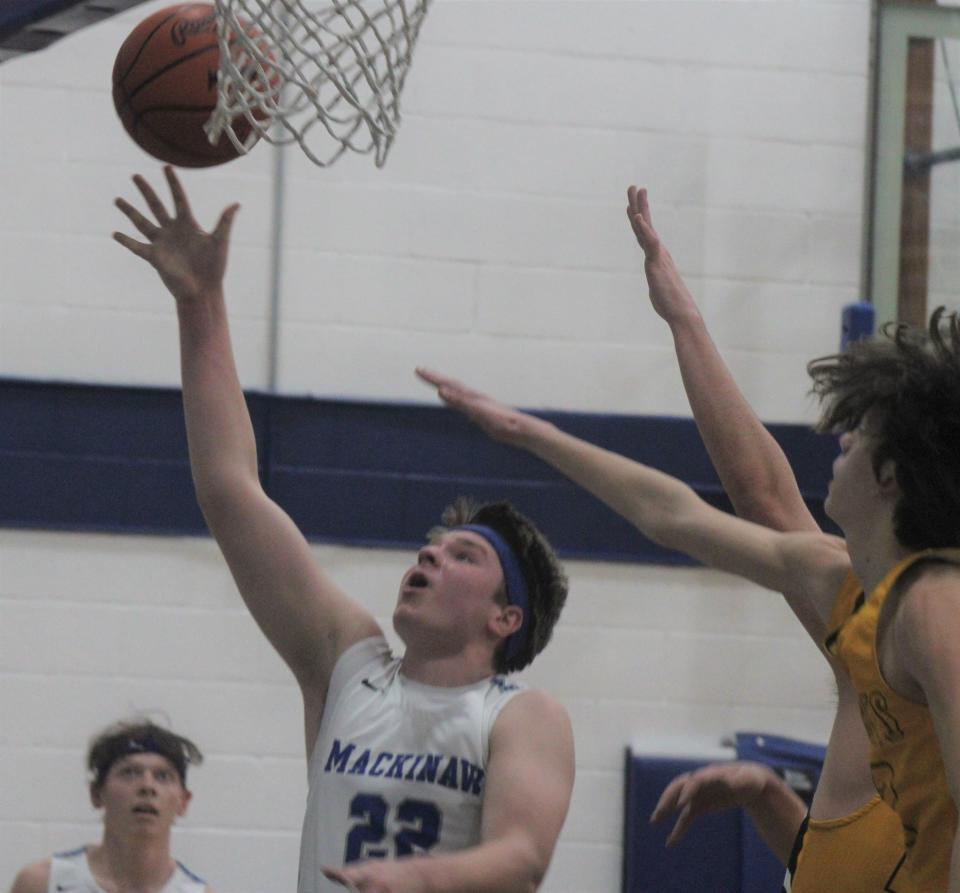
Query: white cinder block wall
[492, 245]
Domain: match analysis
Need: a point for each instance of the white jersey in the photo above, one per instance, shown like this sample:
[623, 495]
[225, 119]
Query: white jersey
[398, 767]
[70, 873]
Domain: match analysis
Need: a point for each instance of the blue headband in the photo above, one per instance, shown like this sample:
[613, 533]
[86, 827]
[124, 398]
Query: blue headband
[144, 743]
[516, 585]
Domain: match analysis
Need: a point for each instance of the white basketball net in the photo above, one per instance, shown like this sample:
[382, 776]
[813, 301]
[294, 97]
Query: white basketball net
[328, 78]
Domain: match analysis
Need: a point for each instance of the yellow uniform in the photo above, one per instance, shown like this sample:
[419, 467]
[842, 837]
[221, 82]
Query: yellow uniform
[856, 853]
[904, 754]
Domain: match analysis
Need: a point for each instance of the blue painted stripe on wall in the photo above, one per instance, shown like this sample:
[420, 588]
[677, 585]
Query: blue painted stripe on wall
[106, 458]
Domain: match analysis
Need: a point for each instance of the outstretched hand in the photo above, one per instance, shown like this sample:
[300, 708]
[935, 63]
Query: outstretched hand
[190, 261]
[668, 293]
[496, 420]
[710, 789]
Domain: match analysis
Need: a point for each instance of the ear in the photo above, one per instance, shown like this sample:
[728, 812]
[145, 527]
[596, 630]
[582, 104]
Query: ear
[185, 799]
[887, 479]
[95, 797]
[507, 620]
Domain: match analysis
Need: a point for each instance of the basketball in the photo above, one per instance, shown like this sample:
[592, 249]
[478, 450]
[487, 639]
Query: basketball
[165, 86]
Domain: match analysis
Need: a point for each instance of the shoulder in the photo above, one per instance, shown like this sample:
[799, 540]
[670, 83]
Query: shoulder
[370, 657]
[32, 878]
[929, 595]
[532, 711]
[822, 557]
[926, 622]
[823, 551]
[368, 662]
[532, 757]
[817, 566]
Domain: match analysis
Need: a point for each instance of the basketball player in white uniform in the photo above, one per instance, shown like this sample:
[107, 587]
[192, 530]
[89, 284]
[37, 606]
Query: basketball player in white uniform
[138, 778]
[428, 772]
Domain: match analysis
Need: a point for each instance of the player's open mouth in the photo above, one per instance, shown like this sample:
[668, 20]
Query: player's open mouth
[146, 810]
[417, 580]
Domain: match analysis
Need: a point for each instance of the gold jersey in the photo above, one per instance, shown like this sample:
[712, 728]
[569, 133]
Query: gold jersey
[905, 757]
[857, 853]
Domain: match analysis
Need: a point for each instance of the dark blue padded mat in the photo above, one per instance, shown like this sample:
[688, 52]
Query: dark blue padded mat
[107, 458]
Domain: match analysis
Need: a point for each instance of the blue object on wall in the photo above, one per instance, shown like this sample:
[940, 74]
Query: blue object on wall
[706, 860]
[722, 852]
[857, 322]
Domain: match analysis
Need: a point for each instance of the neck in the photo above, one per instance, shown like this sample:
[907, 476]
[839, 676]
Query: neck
[873, 557]
[450, 671]
[132, 863]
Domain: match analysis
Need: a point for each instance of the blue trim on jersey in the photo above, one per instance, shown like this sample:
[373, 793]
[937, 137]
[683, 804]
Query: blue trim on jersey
[69, 854]
[189, 873]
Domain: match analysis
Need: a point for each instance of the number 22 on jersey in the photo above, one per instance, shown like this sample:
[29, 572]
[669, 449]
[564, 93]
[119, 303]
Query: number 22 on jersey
[420, 823]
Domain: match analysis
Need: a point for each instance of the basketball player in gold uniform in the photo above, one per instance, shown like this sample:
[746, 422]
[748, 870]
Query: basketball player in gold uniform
[850, 840]
[895, 492]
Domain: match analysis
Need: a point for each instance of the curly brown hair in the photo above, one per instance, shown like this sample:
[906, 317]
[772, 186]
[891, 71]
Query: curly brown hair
[908, 380]
[542, 571]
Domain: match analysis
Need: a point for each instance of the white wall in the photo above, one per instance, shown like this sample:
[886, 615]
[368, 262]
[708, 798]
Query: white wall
[492, 245]
[95, 627]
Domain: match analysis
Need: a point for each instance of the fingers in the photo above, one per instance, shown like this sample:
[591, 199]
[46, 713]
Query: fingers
[678, 796]
[181, 205]
[669, 799]
[643, 207]
[222, 229]
[638, 213]
[682, 825]
[138, 248]
[430, 376]
[150, 197]
[338, 876]
[449, 389]
[637, 202]
[147, 227]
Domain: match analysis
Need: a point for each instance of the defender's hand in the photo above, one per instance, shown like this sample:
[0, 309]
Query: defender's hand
[668, 293]
[499, 422]
[709, 789]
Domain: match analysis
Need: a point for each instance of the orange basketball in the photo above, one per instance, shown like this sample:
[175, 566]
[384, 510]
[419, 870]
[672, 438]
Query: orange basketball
[165, 86]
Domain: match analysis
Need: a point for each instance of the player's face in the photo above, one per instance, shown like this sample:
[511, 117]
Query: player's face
[854, 489]
[451, 591]
[142, 792]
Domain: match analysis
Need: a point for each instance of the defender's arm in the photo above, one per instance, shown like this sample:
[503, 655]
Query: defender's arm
[752, 467]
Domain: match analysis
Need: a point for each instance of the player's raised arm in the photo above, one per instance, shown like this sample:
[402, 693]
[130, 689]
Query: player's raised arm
[526, 797]
[306, 618]
[661, 507]
[752, 467]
